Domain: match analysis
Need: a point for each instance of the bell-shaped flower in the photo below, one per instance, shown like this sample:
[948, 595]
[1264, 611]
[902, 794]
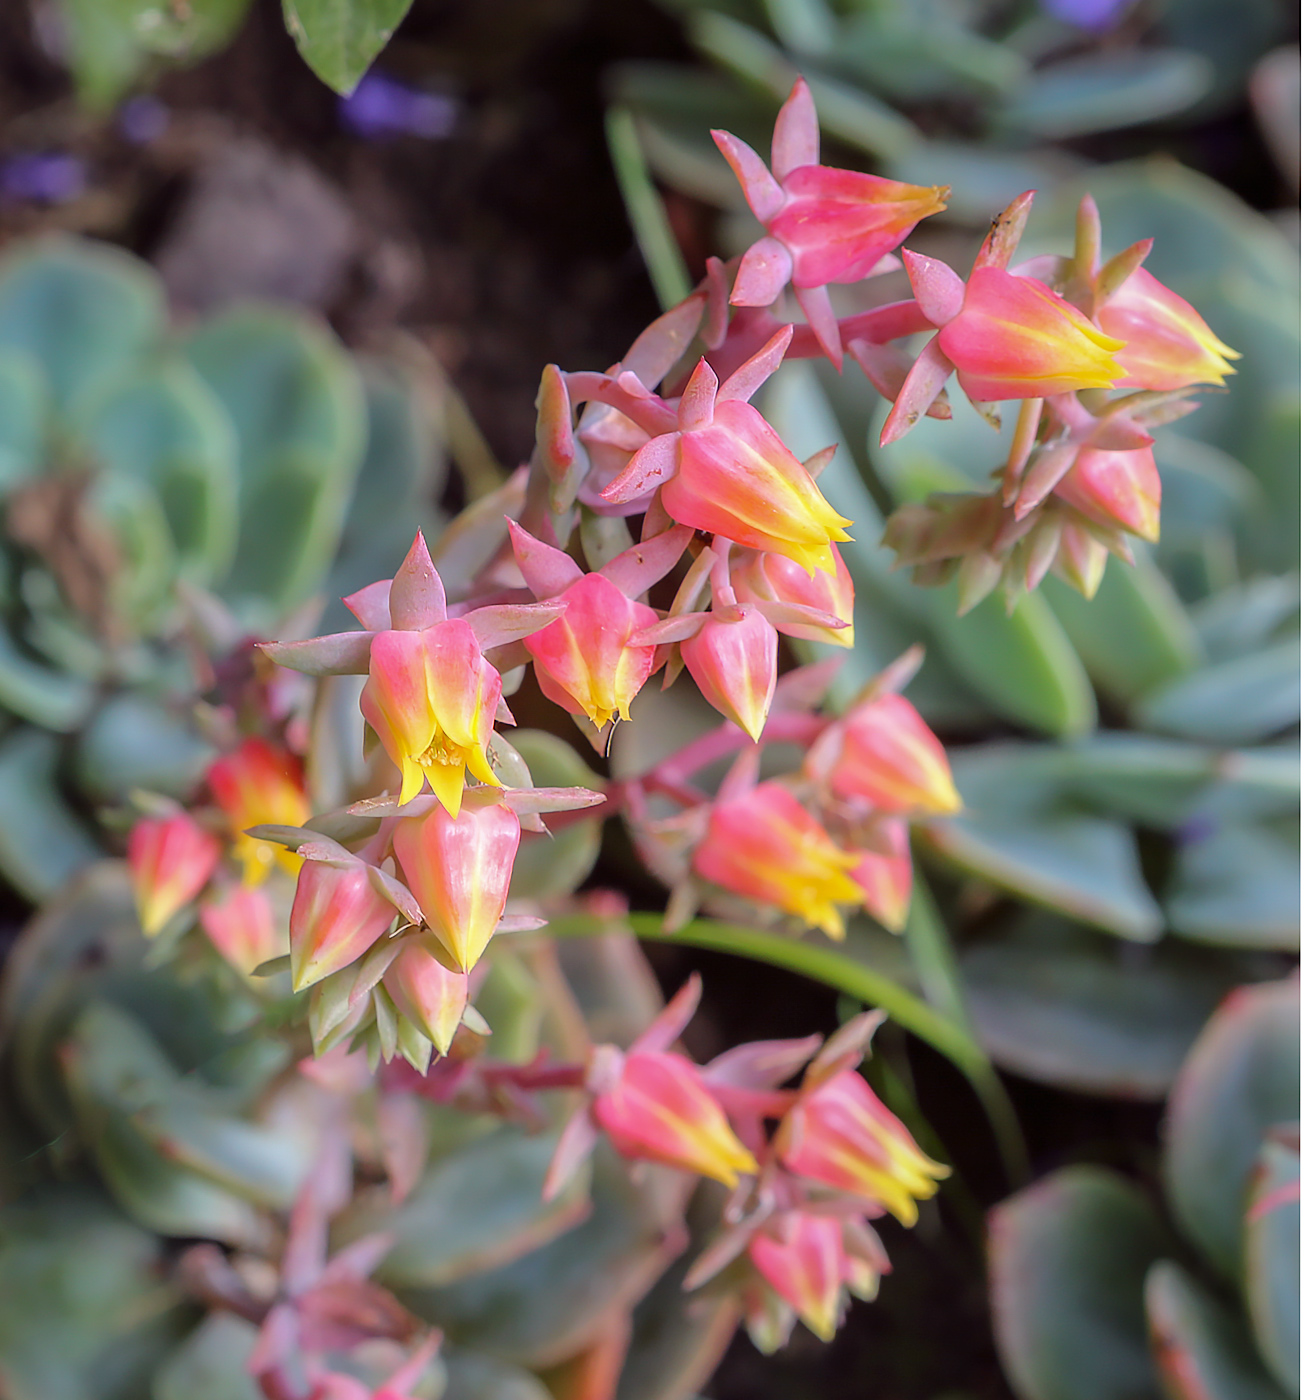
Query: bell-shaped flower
[337, 914]
[241, 925]
[886, 876]
[1168, 343]
[656, 1108]
[431, 696]
[840, 1134]
[734, 658]
[882, 753]
[775, 578]
[430, 994]
[260, 784]
[802, 1257]
[822, 224]
[460, 869]
[169, 860]
[588, 660]
[1115, 489]
[764, 845]
[654, 1105]
[725, 470]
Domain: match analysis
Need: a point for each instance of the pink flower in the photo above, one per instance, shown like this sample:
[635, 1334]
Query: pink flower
[734, 658]
[337, 915]
[240, 924]
[1115, 488]
[169, 860]
[460, 869]
[259, 784]
[886, 877]
[773, 577]
[765, 846]
[839, 1134]
[1168, 344]
[432, 996]
[822, 224]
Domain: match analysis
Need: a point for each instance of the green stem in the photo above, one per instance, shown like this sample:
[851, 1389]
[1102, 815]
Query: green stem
[647, 212]
[844, 974]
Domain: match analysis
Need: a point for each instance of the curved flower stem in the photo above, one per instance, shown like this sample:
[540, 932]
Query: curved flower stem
[844, 974]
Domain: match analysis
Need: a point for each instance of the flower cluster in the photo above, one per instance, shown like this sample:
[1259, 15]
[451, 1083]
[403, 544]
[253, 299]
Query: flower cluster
[803, 1194]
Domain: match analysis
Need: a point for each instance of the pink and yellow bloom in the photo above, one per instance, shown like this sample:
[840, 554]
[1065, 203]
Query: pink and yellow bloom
[1115, 489]
[1168, 344]
[460, 869]
[884, 754]
[659, 1109]
[765, 846]
[431, 698]
[336, 916]
[886, 877]
[840, 1134]
[259, 784]
[802, 1257]
[169, 860]
[734, 658]
[822, 224]
[241, 925]
[432, 996]
[773, 577]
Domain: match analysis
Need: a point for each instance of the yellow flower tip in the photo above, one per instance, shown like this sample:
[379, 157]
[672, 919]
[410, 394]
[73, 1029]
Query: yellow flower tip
[447, 782]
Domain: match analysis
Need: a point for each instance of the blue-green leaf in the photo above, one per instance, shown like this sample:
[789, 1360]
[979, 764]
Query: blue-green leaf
[1230, 702]
[42, 842]
[1272, 1256]
[1236, 885]
[339, 38]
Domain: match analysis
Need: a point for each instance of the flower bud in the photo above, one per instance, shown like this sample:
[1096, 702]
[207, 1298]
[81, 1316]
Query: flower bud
[737, 479]
[241, 925]
[736, 666]
[801, 1256]
[259, 784]
[774, 577]
[1168, 345]
[840, 1134]
[1016, 339]
[1115, 488]
[659, 1110]
[584, 661]
[431, 698]
[886, 878]
[169, 860]
[890, 758]
[336, 916]
[430, 995]
[459, 869]
[765, 846]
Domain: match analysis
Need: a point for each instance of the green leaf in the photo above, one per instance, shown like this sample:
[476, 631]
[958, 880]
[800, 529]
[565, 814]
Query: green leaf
[42, 843]
[1202, 1351]
[476, 1208]
[1065, 1006]
[1236, 885]
[339, 38]
[918, 52]
[1134, 635]
[1153, 782]
[85, 1312]
[1231, 38]
[549, 866]
[164, 427]
[82, 310]
[146, 564]
[1272, 1256]
[1068, 1260]
[646, 211]
[110, 42]
[983, 180]
[845, 111]
[1230, 702]
[298, 408]
[403, 472]
[1246, 618]
[475, 1377]
[135, 742]
[211, 1364]
[1105, 91]
[38, 694]
[544, 1306]
[24, 409]
[1241, 1078]
[1018, 832]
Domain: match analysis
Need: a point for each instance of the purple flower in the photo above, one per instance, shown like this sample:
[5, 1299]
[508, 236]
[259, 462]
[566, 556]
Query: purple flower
[142, 120]
[380, 106]
[1086, 14]
[42, 178]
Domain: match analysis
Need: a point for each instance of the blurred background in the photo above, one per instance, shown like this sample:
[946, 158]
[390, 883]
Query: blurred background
[346, 301]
